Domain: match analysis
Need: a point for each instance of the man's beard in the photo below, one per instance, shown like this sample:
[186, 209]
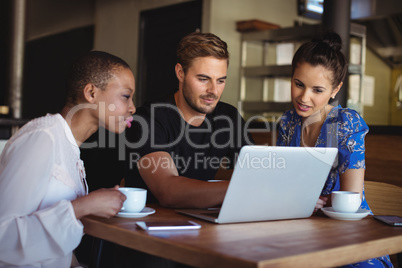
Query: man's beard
[207, 109]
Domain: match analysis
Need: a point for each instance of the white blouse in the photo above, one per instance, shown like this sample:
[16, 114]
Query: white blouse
[40, 172]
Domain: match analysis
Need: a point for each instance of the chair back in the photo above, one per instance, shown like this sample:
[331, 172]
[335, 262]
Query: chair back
[383, 198]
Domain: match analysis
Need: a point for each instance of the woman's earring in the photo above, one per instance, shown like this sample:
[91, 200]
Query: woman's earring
[333, 97]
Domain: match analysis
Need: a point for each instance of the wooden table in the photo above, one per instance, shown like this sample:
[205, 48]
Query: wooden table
[317, 241]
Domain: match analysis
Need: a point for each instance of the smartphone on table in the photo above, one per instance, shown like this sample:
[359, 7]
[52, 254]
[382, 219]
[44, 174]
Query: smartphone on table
[167, 225]
[390, 220]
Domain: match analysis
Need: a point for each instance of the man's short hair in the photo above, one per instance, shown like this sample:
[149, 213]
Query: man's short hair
[95, 67]
[196, 44]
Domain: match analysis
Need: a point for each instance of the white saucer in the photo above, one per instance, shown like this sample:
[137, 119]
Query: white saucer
[360, 214]
[145, 212]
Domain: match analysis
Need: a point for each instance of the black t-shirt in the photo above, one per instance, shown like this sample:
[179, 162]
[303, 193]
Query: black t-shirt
[197, 152]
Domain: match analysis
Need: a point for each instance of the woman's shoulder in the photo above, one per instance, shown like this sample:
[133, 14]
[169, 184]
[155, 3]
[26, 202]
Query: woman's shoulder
[40, 125]
[346, 111]
[346, 114]
[349, 117]
[37, 136]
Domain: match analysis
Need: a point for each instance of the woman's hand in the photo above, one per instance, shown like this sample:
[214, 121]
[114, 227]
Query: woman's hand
[103, 202]
[322, 201]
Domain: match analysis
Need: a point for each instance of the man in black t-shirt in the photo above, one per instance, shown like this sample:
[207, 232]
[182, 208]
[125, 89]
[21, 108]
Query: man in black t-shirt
[177, 144]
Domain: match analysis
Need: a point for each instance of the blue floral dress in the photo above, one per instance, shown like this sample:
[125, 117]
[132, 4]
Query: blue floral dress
[344, 129]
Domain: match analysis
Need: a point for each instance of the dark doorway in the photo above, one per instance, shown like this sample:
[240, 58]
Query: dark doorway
[160, 31]
[5, 37]
[47, 61]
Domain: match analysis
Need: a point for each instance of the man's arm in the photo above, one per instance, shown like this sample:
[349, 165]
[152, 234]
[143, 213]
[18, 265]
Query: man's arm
[223, 174]
[159, 172]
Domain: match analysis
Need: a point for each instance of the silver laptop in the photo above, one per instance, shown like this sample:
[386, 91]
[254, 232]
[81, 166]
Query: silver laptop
[272, 183]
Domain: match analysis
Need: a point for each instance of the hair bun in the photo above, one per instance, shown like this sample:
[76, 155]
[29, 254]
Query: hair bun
[331, 39]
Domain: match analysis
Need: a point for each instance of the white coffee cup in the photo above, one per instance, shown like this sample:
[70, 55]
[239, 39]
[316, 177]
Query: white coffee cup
[345, 201]
[136, 198]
